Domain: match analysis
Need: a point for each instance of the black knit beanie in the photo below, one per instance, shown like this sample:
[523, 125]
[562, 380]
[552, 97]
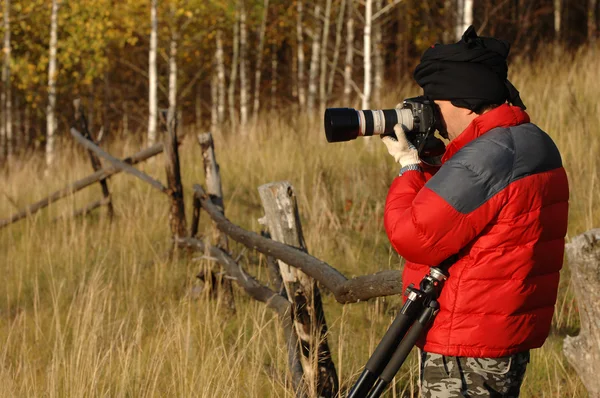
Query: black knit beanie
[470, 73]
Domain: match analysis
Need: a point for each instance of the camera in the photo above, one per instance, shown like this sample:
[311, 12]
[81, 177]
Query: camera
[419, 116]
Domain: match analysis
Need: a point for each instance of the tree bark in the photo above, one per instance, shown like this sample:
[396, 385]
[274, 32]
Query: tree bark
[336, 50]
[314, 62]
[349, 52]
[274, 62]
[214, 101]
[50, 108]
[234, 68]
[6, 87]
[83, 183]
[583, 351]
[592, 21]
[281, 212]
[244, 84]
[258, 71]
[220, 79]
[300, 52]
[323, 56]
[152, 77]
[366, 94]
[557, 18]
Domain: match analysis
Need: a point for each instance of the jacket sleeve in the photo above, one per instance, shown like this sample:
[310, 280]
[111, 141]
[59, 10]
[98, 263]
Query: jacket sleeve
[428, 222]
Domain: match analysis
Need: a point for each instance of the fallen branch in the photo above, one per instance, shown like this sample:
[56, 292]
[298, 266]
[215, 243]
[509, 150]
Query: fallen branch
[116, 162]
[81, 184]
[345, 290]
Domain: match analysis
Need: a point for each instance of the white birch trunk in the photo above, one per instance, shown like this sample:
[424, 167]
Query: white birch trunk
[366, 99]
[152, 77]
[234, 69]
[349, 52]
[257, 73]
[557, 18]
[300, 55]
[464, 17]
[336, 50]
[378, 54]
[171, 113]
[6, 84]
[50, 108]
[314, 63]
[220, 78]
[324, 48]
[274, 63]
[244, 86]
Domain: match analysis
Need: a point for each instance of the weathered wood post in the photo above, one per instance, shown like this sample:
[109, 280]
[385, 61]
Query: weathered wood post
[583, 351]
[283, 221]
[175, 188]
[96, 164]
[215, 191]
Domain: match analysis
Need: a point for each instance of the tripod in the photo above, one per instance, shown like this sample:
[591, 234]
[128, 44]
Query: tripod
[416, 315]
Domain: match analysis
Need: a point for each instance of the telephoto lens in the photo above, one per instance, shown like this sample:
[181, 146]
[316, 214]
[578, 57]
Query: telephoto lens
[345, 124]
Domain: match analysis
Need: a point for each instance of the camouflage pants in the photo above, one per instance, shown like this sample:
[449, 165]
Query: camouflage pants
[449, 377]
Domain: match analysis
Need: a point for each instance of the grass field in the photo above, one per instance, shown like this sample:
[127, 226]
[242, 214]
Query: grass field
[89, 308]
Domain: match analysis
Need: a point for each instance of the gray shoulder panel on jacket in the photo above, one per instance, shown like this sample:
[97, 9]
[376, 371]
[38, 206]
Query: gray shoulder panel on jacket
[486, 165]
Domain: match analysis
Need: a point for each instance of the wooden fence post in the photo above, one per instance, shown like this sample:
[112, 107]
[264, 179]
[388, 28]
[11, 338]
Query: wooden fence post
[583, 351]
[283, 221]
[215, 191]
[175, 188]
[96, 164]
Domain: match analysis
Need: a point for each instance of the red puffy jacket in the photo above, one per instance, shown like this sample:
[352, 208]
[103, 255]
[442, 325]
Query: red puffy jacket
[499, 202]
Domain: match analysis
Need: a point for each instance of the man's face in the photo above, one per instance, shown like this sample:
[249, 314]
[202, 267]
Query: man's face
[455, 119]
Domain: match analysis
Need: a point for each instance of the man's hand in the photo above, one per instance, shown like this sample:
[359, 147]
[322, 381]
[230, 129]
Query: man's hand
[401, 149]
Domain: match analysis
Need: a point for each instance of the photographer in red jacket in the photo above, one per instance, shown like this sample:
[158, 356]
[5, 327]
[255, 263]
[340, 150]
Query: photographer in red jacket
[498, 203]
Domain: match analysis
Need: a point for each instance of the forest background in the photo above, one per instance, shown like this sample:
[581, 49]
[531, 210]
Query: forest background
[90, 307]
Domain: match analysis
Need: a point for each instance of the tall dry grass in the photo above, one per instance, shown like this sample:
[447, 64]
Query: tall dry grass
[89, 308]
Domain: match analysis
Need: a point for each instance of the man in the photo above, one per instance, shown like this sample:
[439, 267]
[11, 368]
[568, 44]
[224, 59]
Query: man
[499, 204]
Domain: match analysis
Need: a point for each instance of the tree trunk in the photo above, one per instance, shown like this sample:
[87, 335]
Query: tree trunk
[171, 113]
[257, 73]
[323, 56]
[198, 107]
[6, 84]
[214, 100]
[349, 52]
[233, 75]
[314, 63]
[152, 77]
[592, 21]
[366, 98]
[300, 51]
[378, 54]
[50, 108]
[557, 18]
[220, 79]
[336, 50]
[281, 213]
[244, 86]
[273, 77]
[177, 220]
[583, 351]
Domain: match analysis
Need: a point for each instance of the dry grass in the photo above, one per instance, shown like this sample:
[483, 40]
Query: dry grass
[93, 309]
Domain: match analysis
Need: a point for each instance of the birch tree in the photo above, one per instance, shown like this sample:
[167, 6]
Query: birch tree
[315, 34]
[51, 107]
[324, 48]
[378, 52]
[152, 76]
[234, 69]
[336, 49]
[366, 94]
[464, 16]
[243, 68]
[258, 70]
[220, 78]
[349, 51]
[6, 128]
[300, 55]
[172, 111]
[274, 64]
[557, 18]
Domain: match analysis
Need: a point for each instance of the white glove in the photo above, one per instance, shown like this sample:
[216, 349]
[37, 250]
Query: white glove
[401, 150]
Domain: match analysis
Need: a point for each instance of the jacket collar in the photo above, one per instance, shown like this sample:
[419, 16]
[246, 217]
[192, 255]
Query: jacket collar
[503, 116]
